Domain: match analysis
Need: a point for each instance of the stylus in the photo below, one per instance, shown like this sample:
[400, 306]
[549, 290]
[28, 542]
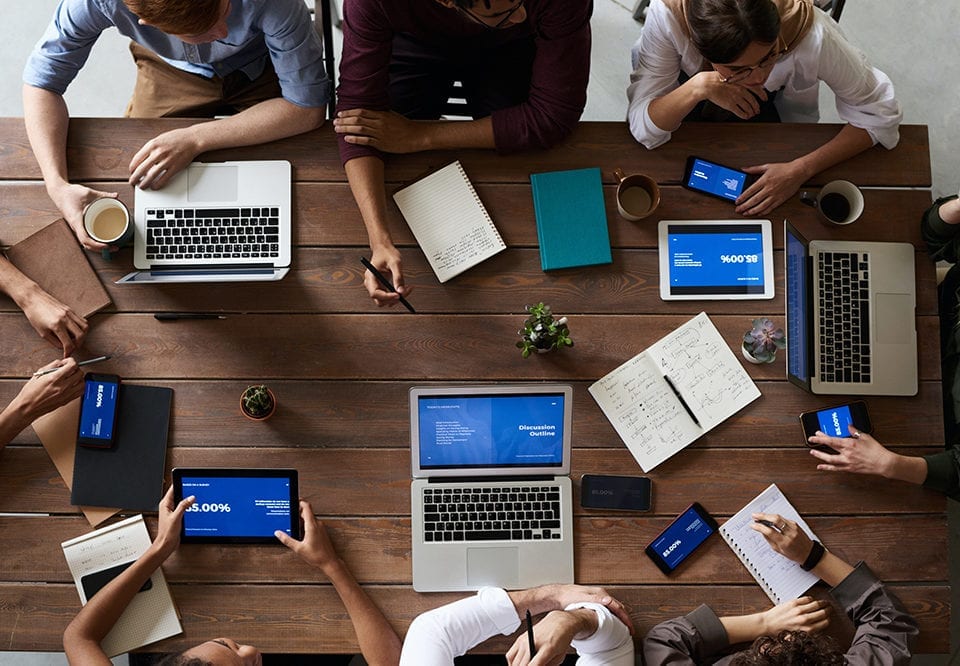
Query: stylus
[41, 373]
[385, 283]
[533, 646]
[682, 401]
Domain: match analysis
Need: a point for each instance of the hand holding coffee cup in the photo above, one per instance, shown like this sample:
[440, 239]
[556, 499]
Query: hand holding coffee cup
[637, 195]
[839, 202]
[108, 221]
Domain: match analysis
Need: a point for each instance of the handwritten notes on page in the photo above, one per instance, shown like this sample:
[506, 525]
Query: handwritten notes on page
[781, 578]
[151, 615]
[449, 221]
[648, 415]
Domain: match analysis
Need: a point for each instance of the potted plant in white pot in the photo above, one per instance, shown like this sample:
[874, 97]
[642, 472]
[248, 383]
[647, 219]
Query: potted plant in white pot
[760, 343]
[542, 332]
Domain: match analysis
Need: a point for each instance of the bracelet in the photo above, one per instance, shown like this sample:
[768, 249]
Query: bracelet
[813, 559]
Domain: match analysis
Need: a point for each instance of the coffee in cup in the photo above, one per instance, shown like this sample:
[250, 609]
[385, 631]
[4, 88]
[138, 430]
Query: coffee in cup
[637, 195]
[839, 202]
[107, 220]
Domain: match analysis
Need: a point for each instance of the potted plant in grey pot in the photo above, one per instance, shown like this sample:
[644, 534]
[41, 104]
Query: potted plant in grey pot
[760, 343]
[542, 332]
[258, 403]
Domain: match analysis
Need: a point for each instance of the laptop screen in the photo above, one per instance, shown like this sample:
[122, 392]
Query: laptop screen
[477, 430]
[798, 312]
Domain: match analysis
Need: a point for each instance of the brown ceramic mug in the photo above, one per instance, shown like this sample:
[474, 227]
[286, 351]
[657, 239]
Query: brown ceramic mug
[637, 195]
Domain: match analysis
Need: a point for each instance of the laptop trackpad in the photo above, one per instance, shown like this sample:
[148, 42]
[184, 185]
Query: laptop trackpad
[498, 567]
[212, 183]
[894, 322]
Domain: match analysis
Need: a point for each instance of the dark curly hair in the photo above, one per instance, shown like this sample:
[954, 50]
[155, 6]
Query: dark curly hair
[180, 660]
[723, 29]
[791, 648]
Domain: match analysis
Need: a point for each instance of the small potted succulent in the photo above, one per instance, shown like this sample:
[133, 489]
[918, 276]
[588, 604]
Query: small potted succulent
[542, 332]
[760, 343]
[258, 403]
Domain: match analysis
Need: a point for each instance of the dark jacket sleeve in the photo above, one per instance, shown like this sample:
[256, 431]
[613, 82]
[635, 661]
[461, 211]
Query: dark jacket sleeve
[885, 632]
[942, 239]
[943, 472]
[691, 639]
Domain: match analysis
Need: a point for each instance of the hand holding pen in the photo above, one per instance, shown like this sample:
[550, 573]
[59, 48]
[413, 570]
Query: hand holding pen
[55, 384]
[385, 283]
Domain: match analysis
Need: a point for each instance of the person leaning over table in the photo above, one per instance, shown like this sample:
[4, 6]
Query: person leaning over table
[735, 57]
[41, 395]
[258, 59]
[378, 641]
[524, 66]
[587, 618]
[788, 632]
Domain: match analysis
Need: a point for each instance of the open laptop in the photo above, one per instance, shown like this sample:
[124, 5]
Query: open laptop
[851, 323]
[491, 500]
[215, 222]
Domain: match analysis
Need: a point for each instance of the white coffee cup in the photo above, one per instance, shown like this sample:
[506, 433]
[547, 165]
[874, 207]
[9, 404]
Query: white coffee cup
[838, 202]
[107, 220]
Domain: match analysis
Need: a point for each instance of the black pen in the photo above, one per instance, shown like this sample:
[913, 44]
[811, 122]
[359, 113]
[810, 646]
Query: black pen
[767, 523]
[175, 316]
[682, 401]
[385, 282]
[533, 646]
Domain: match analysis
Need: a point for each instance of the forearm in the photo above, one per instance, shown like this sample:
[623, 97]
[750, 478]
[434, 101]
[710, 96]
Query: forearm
[448, 135]
[13, 419]
[744, 628]
[848, 142]
[831, 569]
[912, 469]
[365, 175]
[266, 121]
[47, 119]
[15, 284]
[668, 112]
[379, 643]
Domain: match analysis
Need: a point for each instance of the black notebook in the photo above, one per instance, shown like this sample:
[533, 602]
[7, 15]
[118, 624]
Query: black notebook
[129, 474]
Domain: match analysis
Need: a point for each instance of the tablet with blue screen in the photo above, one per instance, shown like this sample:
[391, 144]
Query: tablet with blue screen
[716, 260]
[238, 505]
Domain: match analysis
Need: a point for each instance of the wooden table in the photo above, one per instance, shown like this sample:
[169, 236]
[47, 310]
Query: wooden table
[342, 368]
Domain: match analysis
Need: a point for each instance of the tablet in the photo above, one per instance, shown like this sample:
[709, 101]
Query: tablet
[716, 260]
[238, 505]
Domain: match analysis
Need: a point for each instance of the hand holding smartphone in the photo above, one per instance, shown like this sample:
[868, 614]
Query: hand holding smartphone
[715, 180]
[835, 422]
[98, 411]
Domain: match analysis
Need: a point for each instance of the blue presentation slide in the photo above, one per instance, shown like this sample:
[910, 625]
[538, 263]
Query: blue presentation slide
[681, 538]
[715, 259]
[491, 431]
[797, 311]
[99, 403]
[834, 422]
[716, 179]
[236, 507]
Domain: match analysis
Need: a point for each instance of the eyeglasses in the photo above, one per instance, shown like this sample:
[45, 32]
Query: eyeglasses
[741, 73]
[502, 16]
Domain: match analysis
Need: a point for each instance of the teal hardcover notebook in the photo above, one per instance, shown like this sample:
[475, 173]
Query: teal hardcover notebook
[571, 218]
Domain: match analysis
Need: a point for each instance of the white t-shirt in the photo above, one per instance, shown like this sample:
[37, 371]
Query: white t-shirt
[437, 636]
[864, 93]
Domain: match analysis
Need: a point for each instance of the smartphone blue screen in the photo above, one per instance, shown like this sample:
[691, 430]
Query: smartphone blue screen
[682, 538]
[834, 421]
[99, 405]
[715, 179]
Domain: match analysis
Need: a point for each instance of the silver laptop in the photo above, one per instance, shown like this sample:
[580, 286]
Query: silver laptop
[215, 222]
[851, 320]
[491, 500]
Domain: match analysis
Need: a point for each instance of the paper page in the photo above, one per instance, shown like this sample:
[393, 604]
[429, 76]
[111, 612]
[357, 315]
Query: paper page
[781, 578]
[449, 222]
[151, 615]
[703, 368]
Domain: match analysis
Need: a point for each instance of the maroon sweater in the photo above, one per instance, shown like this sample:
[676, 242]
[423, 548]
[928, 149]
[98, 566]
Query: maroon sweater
[561, 66]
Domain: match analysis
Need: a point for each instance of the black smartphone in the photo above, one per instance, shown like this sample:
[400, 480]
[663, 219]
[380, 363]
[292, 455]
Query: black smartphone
[683, 536]
[715, 180]
[623, 493]
[98, 411]
[96, 581]
[834, 421]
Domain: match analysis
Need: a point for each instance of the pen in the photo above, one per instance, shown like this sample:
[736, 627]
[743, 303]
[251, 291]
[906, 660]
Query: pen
[174, 316]
[682, 401]
[385, 282]
[41, 373]
[767, 523]
[533, 647]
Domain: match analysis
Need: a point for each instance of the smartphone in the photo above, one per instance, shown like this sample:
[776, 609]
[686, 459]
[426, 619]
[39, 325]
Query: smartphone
[622, 493]
[683, 536]
[715, 180]
[834, 421]
[96, 581]
[98, 411]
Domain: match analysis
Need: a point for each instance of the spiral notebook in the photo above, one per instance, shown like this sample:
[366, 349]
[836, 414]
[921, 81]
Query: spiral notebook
[782, 579]
[449, 221]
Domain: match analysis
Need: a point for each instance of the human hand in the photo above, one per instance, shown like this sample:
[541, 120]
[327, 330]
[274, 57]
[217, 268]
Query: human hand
[71, 199]
[790, 541]
[170, 519]
[860, 453]
[564, 595]
[387, 261]
[47, 392]
[552, 637]
[739, 99]
[803, 614]
[163, 157]
[315, 549]
[777, 183]
[53, 321]
[385, 130]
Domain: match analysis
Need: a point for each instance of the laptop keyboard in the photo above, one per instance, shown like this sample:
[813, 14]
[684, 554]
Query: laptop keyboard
[213, 233]
[472, 513]
[844, 333]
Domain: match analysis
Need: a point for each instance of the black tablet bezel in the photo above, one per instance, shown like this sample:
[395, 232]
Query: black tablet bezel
[225, 472]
